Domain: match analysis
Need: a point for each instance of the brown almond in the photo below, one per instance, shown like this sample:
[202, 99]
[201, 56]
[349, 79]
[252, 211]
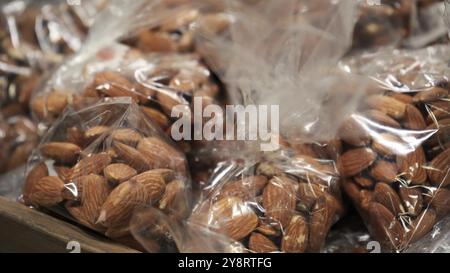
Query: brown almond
[95, 132]
[364, 182]
[353, 133]
[56, 102]
[366, 198]
[61, 152]
[387, 105]
[157, 117]
[126, 136]
[441, 131]
[94, 194]
[63, 172]
[142, 190]
[438, 170]
[232, 217]
[381, 118]
[386, 195]
[267, 169]
[246, 188]
[413, 118]
[355, 161]
[118, 232]
[118, 173]
[75, 136]
[433, 94]
[411, 166]
[175, 199]
[295, 239]
[386, 229]
[387, 144]
[384, 171]
[441, 202]
[93, 164]
[423, 224]
[261, 244]
[269, 229]
[160, 154]
[412, 200]
[47, 191]
[279, 200]
[20, 155]
[402, 97]
[38, 172]
[131, 156]
[352, 190]
[323, 216]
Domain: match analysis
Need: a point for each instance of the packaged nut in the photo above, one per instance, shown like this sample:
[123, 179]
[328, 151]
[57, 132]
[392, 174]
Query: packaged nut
[99, 164]
[396, 152]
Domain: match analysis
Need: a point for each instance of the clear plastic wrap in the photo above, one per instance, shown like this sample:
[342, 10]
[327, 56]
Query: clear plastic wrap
[287, 200]
[98, 164]
[396, 152]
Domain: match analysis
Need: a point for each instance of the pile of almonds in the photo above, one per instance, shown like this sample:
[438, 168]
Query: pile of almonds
[271, 210]
[103, 162]
[396, 163]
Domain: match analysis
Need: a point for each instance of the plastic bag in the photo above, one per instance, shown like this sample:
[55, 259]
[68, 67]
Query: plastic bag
[436, 241]
[287, 200]
[397, 146]
[98, 164]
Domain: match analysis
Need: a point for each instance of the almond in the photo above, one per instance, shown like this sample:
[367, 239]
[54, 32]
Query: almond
[94, 194]
[295, 239]
[93, 164]
[268, 169]
[269, 229]
[387, 105]
[387, 196]
[47, 191]
[366, 198]
[387, 144]
[160, 154]
[20, 155]
[261, 244]
[279, 200]
[96, 132]
[441, 131]
[355, 161]
[411, 166]
[402, 97]
[157, 117]
[56, 102]
[61, 152]
[232, 217]
[118, 173]
[126, 136]
[353, 133]
[386, 229]
[381, 118]
[75, 136]
[142, 190]
[77, 212]
[438, 171]
[246, 188]
[412, 200]
[118, 232]
[38, 172]
[323, 216]
[433, 94]
[63, 172]
[363, 182]
[441, 202]
[175, 199]
[413, 118]
[131, 156]
[352, 190]
[423, 224]
[384, 171]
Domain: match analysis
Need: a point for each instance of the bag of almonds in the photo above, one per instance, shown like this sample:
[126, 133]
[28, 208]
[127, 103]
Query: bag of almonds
[396, 156]
[98, 164]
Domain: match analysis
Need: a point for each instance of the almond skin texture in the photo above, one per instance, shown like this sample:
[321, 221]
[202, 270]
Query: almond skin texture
[261, 244]
[126, 136]
[381, 118]
[355, 161]
[387, 105]
[279, 200]
[295, 239]
[441, 202]
[232, 217]
[118, 173]
[433, 94]
[413, 118]
[387, 144]
[131, 156]
[386, 229]
[90, 165]
[412, 200]
[384, 171]
[39, 171]
[158, 117]
[159, 154]
[422, 225]
[323, 216]
[353, 133]
[411, 166]
[387, 196]
[246, 188]
[438, 172]
[142, 190]
[47, 191]
[94, 194]
[95, 132]
[175, 200]
[61, 152]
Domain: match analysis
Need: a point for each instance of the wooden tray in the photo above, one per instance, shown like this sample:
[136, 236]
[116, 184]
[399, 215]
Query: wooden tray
[27, 230]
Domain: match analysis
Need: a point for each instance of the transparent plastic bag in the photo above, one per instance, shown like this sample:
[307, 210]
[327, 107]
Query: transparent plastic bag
[396, 147]
[98, 164]
[436, 241]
